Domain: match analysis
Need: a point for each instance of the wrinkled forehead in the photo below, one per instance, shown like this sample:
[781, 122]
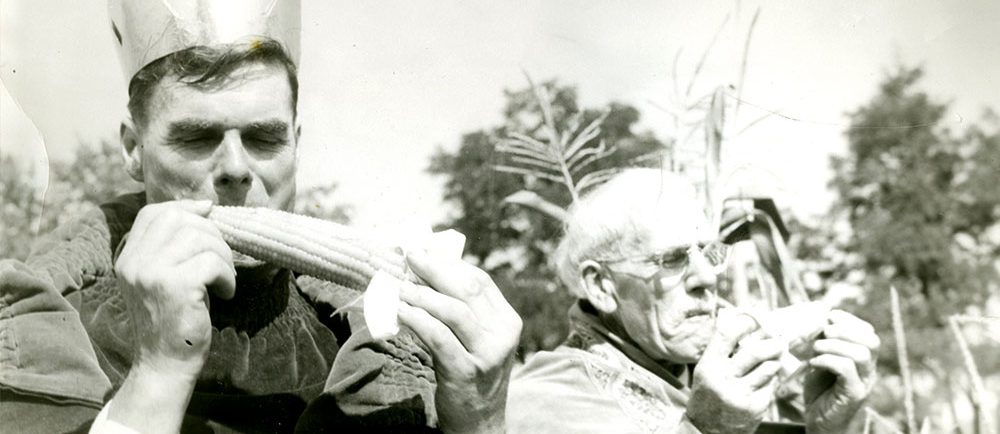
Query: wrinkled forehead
[667, 223]
[253, 90]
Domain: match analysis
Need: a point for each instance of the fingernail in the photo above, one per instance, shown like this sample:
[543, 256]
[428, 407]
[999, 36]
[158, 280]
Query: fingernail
[196, 206]
[417, 255]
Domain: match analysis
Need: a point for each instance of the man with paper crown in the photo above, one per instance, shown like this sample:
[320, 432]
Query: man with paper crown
[137, 317]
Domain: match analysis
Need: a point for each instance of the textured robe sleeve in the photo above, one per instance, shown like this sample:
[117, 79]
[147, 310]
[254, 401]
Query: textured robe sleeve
[50, 377]
[373, 383]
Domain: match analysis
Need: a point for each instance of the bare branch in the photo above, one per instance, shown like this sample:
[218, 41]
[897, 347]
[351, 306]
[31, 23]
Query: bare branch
[528, 153]
[592, 130]
[743, 63]
[904, 362]
[533, 201]
[596, 177]
[752, 123]
[527, 172]
[534, 162]
[704, 56]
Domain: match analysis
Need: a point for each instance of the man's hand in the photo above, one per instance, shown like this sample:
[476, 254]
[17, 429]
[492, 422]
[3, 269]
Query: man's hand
[848, 350]
[730, 394]
[173, 256]
[472, 333]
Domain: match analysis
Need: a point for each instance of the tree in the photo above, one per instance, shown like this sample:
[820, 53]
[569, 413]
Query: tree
[917, 209]
[93, 175]
[514, 243]
[920, 199]
[922, 206]
[21, 204]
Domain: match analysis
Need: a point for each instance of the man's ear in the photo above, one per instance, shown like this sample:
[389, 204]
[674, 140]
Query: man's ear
[599, 286]
[298, 136]
[131, 149]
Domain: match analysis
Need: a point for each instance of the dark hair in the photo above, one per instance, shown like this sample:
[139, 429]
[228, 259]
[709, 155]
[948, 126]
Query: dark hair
[206, 66]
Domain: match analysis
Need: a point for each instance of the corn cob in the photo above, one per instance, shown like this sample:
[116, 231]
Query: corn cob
[318, 248]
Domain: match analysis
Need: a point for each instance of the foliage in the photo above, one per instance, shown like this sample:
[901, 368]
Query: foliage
[917, 209]
[93, 176]
[566, 156]
[513, 242]
[921, 200]
[19, 208]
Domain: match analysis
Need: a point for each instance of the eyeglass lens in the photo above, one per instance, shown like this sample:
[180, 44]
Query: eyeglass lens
[715, 253]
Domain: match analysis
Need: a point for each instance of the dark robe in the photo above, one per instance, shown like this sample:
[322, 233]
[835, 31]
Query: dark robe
[279, 356]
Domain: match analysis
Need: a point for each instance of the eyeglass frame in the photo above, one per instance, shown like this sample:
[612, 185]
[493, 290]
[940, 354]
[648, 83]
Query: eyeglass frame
[657, 260]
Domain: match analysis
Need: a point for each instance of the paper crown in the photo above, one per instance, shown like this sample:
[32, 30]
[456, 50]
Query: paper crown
[146, 30]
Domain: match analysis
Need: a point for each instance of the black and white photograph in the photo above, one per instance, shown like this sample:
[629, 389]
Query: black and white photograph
[539, 216]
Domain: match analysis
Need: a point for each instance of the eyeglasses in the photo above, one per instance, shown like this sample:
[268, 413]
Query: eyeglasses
[712, 257]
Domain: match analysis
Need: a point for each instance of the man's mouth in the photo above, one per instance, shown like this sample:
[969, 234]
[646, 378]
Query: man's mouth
[237, 201]
[698, 312]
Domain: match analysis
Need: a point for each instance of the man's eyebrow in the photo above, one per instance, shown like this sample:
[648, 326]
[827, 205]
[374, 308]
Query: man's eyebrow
[672, 250]
[188, 126]
[272, 127]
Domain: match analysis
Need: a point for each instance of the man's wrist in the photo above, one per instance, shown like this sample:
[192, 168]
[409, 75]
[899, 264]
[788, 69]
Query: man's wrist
[812, 428]
[151, 400]
[486, 419]
[496, 424]
[716, 424]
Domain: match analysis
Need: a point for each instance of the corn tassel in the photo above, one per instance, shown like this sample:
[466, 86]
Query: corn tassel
[318, 248]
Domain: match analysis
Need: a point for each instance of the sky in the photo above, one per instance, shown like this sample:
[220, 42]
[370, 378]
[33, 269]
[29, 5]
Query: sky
[386, 83]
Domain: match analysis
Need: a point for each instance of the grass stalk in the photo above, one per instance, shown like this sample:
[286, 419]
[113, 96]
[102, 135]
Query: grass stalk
[979, 400]
[904, 363]
[743, 62]
[873, 418]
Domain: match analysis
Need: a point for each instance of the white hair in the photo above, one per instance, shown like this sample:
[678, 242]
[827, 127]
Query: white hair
[612, 220]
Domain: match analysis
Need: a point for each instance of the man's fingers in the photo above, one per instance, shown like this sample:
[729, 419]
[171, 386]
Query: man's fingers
[444, 346]
[761, 399]
[213, 271]
[162, 224]
[861, 334]
[450, 311]
[198, 207]
[762, 374]
[754, 352]
[729, 330]
[842, 367]
[191, 239]
[150, 212]
[857, 353]
[838, 316]
[453, 277]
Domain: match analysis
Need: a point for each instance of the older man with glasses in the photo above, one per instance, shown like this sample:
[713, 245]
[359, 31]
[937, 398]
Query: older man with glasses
[648, 350]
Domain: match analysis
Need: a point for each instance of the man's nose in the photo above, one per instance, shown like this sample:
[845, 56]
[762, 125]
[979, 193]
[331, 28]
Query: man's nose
[699, 274]
[233, 170]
